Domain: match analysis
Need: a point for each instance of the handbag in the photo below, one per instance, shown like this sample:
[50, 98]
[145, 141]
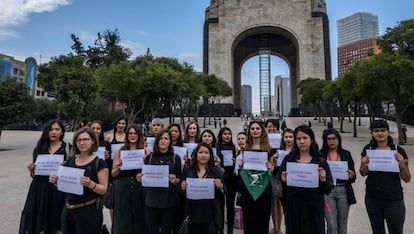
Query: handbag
[277, 189]
[185, 226]
[109, 196]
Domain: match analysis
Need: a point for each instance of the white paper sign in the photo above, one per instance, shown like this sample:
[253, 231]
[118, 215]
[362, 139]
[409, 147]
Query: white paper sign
[150, 143]
[236, 165]
[190, 147]
[69, 180]
[100, 153]
[132, 159]
[155, 176]
[383, 160]
[114, 148]
[214, 151]
[274, 140]
[198, 188]
[180, 151]
[48, 164]
[227, 158]
[282, 156]
[339, 170]
[255, 161]
[304, 175]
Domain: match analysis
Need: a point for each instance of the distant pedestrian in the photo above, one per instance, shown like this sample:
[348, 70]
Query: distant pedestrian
[215, 122]
[224, 122]
[220, 122]
[404, 130]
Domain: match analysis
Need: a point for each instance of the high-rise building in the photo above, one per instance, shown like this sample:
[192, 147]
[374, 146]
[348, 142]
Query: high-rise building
[357, 38]
[246, 99]
[282, 95]
[24, 72]
[356, 27]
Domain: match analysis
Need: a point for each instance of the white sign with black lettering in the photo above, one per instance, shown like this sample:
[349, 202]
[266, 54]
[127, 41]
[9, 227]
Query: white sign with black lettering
[69, 180]
[132, 159]
[382, 160]
[200, 188]
[48, 164]
[255, 160]
[339, 169]
[304, 175]
[155, 176]
[274, 140]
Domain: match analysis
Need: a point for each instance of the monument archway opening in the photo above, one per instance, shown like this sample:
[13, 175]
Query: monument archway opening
[280, 86]
[264, 42]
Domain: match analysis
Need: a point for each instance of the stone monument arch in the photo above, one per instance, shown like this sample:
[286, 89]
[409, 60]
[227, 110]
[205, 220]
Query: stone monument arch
[295, 30]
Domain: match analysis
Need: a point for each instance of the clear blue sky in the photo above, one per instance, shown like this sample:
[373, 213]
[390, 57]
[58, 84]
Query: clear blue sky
[42, 28]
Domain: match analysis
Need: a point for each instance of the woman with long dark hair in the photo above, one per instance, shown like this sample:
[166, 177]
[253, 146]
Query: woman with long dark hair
[160, 203]
[342, 195]
[384, 198]
[129, 215]
[256, 191]
[305, 205]
[203, 212]
[44, 203]
[225, 145]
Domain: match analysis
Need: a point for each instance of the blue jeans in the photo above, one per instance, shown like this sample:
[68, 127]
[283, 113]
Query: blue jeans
[392, 211]
[337, 217]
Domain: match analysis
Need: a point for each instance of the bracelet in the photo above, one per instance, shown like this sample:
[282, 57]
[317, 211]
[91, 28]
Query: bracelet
[93, 187]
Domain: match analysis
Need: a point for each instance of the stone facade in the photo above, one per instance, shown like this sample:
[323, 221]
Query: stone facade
[297, 32]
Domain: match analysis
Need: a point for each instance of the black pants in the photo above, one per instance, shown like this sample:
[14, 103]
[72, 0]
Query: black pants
[256, 214]
[204, 228]
[231, 189]
[87, 219]
[392, 211]
[160, 218]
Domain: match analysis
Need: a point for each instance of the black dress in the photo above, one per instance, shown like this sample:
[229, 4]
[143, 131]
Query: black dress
[44, 203]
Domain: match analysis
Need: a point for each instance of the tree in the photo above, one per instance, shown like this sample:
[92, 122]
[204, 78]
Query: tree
[73, 85]
[106, 49]
[349, 82]
[15, 102]
[310, 91]
[396, 73]
[399, 40]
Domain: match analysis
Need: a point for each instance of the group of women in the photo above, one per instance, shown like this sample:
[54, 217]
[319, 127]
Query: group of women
[140, 209]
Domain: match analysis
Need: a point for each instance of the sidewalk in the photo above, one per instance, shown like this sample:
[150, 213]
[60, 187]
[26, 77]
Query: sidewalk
[16, 152]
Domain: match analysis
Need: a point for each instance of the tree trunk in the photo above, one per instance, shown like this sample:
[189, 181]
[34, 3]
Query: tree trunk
[398, 119]
[355, 122]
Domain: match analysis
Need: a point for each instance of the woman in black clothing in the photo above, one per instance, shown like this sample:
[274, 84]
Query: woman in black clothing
[44, 203]
[342, 195]
[177, 140]
[305, 206]
[384, 195]
[225, 143]
[256, 205]
[129, 215]
[83, 213]
[176, 134]
[203, 212]
[160, 203]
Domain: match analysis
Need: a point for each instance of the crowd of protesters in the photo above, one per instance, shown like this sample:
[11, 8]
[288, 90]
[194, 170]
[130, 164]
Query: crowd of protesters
[273, 174]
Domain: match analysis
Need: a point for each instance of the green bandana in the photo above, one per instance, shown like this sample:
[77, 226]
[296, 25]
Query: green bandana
[255, 181]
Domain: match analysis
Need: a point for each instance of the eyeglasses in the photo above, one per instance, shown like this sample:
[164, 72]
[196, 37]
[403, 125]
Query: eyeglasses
[83, 140]
[331, 139]
[377, 130]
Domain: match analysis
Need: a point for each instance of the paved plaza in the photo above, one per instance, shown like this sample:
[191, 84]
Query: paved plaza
[16, 152]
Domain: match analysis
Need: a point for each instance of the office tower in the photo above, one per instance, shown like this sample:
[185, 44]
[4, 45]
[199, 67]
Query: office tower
[246, 99]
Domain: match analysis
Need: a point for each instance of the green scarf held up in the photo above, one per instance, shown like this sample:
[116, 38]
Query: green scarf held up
[255, 181]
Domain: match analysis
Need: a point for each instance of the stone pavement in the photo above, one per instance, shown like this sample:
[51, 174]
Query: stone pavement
[16, 152]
